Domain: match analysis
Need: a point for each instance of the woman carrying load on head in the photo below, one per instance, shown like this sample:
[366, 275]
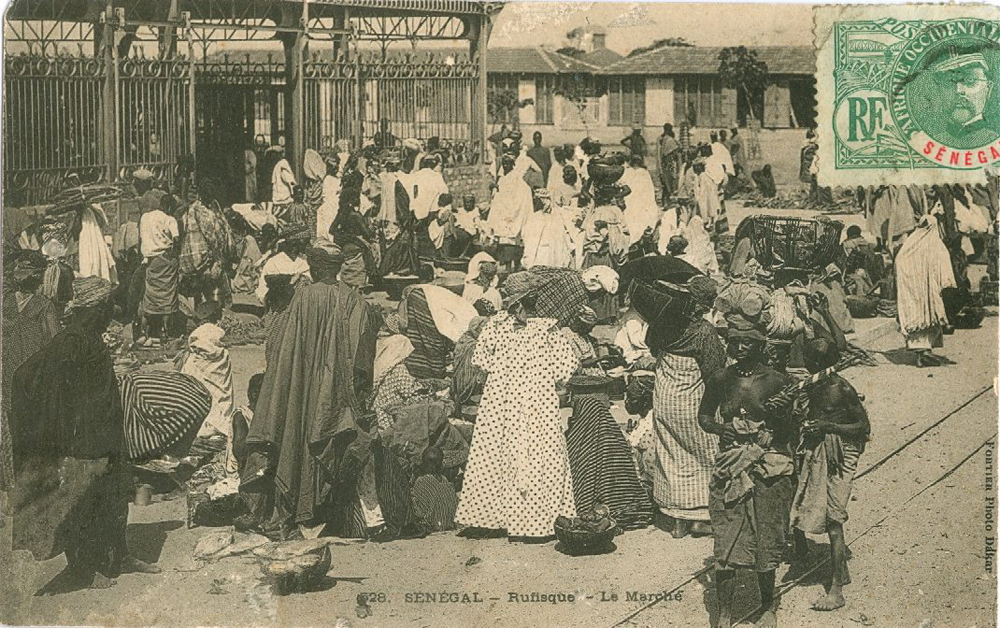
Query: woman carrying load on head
[686, 356]
[67, 432]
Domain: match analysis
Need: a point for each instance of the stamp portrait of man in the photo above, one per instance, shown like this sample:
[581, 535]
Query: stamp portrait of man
[967, 83]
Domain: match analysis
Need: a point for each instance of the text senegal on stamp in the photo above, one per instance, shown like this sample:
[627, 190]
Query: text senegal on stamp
[907, 93]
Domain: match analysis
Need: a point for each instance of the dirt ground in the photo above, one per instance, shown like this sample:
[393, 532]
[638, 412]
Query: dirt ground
[918, 535]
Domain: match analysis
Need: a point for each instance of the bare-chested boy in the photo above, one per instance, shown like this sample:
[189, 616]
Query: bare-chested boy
[833, 437]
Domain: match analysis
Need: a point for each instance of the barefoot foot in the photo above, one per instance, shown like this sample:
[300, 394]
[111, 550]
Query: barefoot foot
[768, 620]
[131, 564]
[101, 581]
[829, 602]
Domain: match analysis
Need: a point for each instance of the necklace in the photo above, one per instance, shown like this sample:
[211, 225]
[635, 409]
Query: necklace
[746, 372]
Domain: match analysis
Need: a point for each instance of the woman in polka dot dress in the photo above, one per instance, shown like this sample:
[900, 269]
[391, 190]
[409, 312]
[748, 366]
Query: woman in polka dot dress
[518, 476]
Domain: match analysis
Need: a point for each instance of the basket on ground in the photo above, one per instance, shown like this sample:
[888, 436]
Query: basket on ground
[580, 540]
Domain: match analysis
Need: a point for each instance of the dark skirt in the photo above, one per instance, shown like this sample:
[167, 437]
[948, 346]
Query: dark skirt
[604, 305]
[751, 533]
[600, 461]
[400, 257]
[160, 297]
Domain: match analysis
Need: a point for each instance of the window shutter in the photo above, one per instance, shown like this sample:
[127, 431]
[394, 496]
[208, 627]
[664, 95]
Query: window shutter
[680, 100]
[775, 115]
[728, 107]
[614, 101]
[639, 102]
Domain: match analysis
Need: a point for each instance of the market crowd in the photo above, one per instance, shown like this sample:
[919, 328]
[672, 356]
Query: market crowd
[490, 406]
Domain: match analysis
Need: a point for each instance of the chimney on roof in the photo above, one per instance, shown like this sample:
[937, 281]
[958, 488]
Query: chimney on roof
[588, 38]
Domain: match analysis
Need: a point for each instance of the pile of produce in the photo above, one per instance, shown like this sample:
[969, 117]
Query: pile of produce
[245, 330]
[592, 530]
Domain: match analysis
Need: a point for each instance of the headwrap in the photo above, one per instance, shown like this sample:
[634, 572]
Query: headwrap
[587, 315]
[142, 174]
[703, 290]
[411, 143]
[472, 274]
[742, 327]
[677, 242]
[313, 165]
[294, 232]
[325, 256]
[29, 265]
[484, 308]
[600, 277]
[389, 352]
[588, 384]
[520, 285]
[89, 292]
[392, 322]
[639, 394]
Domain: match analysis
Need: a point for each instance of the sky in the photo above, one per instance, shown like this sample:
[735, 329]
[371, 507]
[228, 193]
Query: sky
[634, 24]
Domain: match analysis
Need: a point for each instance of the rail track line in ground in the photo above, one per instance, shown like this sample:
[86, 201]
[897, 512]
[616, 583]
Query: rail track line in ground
[871, 468]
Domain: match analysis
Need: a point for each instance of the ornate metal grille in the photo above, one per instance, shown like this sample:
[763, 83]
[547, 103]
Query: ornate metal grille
[420, 96]
[52, 110]
[154, 114]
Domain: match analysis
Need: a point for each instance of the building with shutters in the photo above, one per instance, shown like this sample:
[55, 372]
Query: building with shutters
[668, 84]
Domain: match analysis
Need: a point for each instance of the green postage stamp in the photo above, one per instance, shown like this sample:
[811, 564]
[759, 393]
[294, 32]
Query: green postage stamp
[907, 93]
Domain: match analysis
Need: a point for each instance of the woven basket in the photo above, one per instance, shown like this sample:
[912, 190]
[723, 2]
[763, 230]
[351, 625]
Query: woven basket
[581, 541]
[659, 302]
[793, 243]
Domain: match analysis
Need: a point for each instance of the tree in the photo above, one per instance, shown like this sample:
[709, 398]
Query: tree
[577, 90]
[502, 105]
[740, 69]
[677, 42]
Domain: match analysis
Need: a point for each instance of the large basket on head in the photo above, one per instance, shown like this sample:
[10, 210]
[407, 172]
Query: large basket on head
[581, 540]
[782, 242]
[661, 301]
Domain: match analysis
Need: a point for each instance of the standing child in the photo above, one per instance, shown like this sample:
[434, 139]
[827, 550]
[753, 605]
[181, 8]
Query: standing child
[242, 419]
[833, 439]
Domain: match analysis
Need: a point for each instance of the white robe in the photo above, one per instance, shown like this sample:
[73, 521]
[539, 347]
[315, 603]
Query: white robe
[546, 240]
[641, 211]
[511, 206]
[326, 213]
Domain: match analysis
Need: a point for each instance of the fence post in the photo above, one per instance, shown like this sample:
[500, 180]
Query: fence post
[110, 93]
[295, 50]
[192, 121]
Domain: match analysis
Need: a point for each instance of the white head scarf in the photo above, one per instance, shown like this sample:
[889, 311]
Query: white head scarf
[600, 277]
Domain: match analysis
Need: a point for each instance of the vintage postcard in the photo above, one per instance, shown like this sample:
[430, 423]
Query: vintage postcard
[907, 94]
[528, 314]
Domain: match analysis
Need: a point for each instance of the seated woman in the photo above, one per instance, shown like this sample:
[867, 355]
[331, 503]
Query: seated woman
[351, 232]
[481, 281]
[433, 318]
[751, 491]
[578, 334]
[467, 378]
[600, 458]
